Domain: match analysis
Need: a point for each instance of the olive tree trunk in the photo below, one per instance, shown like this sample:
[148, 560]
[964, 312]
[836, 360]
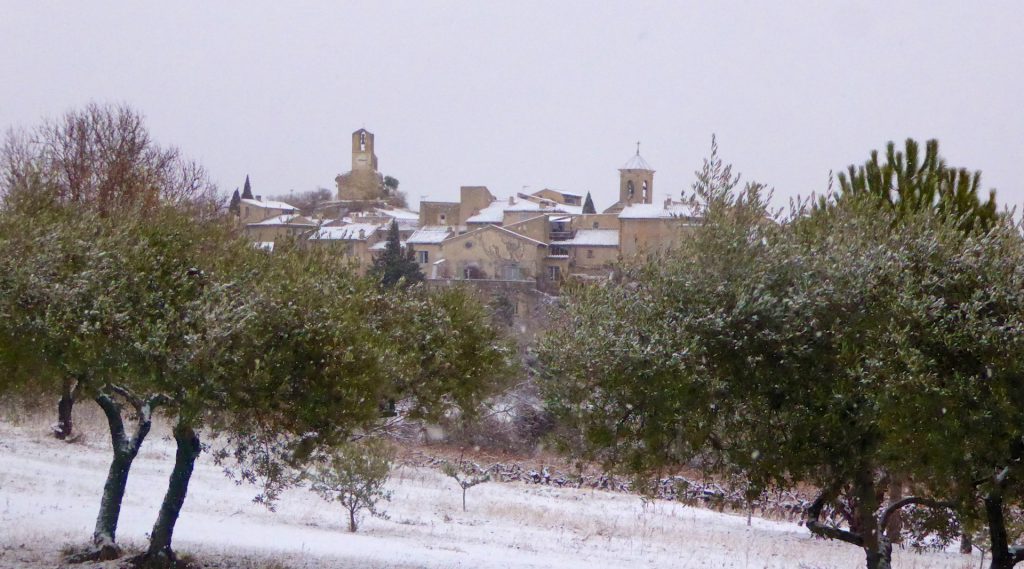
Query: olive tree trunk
[1004, 556]
[188, 449]
[869, 535]
[65, 405]
[125, 449]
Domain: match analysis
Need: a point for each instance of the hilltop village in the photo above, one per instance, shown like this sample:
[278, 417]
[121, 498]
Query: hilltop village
[523, 241]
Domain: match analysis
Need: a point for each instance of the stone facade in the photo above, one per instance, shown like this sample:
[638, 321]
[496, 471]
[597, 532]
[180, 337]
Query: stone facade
[279, 228]
[363, 182]
[636, 183]
[490, 253]
[472, 199]
[440, 213]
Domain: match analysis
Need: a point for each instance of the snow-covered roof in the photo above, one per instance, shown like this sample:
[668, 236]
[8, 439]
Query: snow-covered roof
[350, 232]
[637, 163]
[399, 214]
[286, 219]
[591, 238]
[383, 244]
[429, 235]
[657, 211]
[527, 205]
[496, 228]
[269, 204]
[564, 194]
[493, 213]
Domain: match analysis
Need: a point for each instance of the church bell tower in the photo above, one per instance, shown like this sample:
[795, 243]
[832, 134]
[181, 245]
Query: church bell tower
[636, 181]
[363, 158]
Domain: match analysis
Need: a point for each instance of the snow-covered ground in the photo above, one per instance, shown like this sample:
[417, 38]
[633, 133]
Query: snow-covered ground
[49, 494]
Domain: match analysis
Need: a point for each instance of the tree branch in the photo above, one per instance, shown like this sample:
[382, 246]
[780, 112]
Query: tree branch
[112, 410]
[919, 501]
[817, 528]
[128, 396]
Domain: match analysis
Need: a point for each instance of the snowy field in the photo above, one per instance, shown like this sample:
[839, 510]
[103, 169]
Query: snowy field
[49, 494]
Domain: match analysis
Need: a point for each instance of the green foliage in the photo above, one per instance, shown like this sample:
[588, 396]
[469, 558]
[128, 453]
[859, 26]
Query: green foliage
[908, 182]
[355, 475]
[715, 180]
[839, 350]
[395, 267]
[454, 355]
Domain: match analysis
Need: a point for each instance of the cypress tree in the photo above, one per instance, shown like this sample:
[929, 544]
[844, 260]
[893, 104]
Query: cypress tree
[236, 203]
[394, 266]
[247, 189]
[588, 205]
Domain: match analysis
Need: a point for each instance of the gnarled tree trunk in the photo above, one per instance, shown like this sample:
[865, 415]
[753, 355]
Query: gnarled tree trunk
[869, 535]
[69, 394]
[125, 449]
[177, 487]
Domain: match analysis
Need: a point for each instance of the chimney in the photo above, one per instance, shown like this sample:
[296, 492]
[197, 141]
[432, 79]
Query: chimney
[259, 198]
[668, 201]
[511, 200]
[362, 234]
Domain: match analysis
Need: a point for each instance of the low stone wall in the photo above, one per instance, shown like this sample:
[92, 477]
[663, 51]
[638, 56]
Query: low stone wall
[787, 505]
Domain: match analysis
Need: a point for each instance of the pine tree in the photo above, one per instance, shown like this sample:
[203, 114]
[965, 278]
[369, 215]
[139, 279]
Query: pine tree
[395, 266]
[906, 182]
[588, 205]
[247, 189]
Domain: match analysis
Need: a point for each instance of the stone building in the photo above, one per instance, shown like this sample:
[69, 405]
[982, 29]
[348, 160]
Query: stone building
[363, 182]
[280, 227]
[534, 240]
[636, 183]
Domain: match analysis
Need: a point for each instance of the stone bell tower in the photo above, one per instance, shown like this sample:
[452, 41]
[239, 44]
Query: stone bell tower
[363, 157]
[636, 181]
[363, 182]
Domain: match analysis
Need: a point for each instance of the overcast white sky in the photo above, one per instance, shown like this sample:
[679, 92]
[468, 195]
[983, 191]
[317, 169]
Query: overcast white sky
[538, 94]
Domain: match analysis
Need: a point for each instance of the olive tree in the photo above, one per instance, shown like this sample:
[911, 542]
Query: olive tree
[355, 475]
[783, 352]
[303, 358]
[97, 160]
[71, 308]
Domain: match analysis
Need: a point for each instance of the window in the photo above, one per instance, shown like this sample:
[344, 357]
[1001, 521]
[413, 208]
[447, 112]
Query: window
[630, 190]
[443, 218]
[553, 273]
[511, 273]
[595, 225]
[421, 257]
[590, 253]
[556, 250]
